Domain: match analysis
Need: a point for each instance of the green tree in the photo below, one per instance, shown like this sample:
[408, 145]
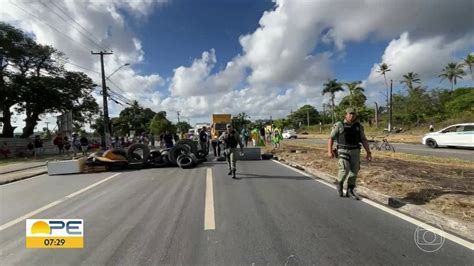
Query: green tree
[301, 116]
[331, 87]
[469, 61]
[409, 79]
[134, 118]
[355, 90]
[14, 45]
[39, 84]
[183, 126]
[281, 123]
[383, 69]
[452, 72]
[240, 121]
[159, 124]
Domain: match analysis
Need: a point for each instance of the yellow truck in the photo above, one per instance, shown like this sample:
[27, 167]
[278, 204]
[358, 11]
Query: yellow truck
[218, 123]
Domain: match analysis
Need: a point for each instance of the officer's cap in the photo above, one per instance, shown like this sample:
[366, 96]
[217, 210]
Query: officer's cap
[351, 110]
[228, 125]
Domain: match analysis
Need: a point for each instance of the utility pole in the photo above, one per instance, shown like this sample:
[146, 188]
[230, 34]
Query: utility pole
[179, 129]
[106, 135]
[47, 128]
[390, 109]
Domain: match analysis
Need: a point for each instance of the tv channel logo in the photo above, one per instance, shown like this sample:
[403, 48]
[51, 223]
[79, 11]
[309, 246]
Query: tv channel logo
[54, 233]
[430, 239]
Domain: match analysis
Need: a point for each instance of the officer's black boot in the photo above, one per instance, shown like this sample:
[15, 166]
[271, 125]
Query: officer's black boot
[339, 189]
[233, 173]
[230, 172]
[352, 193]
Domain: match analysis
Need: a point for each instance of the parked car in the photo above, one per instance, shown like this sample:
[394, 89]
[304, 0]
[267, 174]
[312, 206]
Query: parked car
[459, 135]
[289, 134]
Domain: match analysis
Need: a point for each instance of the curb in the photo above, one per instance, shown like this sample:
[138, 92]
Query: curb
[26, 176]
[22, 169]
[454, 226]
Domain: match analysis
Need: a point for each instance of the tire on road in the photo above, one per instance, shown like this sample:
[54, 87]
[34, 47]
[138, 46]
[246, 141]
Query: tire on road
[200, 154]
[431, 143]
[185, 161]
[132, 156]
[176, 151]
[154, 154]
[191, 144]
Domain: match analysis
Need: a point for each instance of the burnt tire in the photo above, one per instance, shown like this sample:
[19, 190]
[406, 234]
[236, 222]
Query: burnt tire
[154, 154]
[176, 151]
[132, 155]
[431, 143]
[201, 154]
[185, 161]
[190, 144]
[267, 156]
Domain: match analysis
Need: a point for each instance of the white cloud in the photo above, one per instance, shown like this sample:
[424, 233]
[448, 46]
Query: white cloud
[425, 56]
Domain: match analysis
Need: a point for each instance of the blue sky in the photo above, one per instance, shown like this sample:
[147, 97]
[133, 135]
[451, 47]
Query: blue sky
[177, 33]
[259, 57]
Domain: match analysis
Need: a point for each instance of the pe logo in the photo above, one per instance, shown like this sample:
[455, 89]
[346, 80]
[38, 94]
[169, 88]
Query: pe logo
[54, 233]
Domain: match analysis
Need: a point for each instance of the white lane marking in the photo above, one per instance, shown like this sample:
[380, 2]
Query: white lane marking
[209, 220]
[54, 203]
[402, 216]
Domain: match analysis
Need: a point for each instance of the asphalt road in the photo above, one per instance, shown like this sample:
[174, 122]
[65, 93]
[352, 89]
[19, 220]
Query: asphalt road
[417, 149]
[271, 215]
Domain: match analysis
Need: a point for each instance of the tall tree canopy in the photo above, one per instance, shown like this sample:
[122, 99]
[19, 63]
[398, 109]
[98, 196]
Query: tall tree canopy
[33, 82]
[134, 118]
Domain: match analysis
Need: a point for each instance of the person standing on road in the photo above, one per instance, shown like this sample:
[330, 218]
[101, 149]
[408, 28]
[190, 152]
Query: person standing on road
[59, 141]
[168, 139]
[84, 145]
[245, 135]
[231, 139]
[38, 146]
[203, 140]
[348, 134]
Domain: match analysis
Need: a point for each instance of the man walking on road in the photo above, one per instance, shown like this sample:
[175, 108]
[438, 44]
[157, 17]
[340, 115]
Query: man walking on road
[231, 139]
[203, 140]
[348, 134]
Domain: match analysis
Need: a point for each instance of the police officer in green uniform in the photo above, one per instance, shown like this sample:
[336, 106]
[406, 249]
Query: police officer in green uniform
[231, 139]
[348, 134]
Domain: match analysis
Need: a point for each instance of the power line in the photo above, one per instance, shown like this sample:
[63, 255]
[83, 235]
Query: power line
[121, 97]
[65, 20]
[66, 13]
[49, 25]
[118, 87]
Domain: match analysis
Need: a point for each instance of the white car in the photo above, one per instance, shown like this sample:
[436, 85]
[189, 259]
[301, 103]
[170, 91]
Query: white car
[289, 134]
[459, 135]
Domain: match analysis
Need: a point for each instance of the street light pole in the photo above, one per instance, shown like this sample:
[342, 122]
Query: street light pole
[126, 64]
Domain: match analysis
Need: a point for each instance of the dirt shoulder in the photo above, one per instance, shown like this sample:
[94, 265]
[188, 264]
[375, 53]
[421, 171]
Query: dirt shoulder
[395, 138]
[445, 186]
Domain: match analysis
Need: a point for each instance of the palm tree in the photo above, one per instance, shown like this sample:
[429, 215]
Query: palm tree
[411, 78]
[452, 72]
[383, 69]
[354, 88]
[331, 87]
[469, 61]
